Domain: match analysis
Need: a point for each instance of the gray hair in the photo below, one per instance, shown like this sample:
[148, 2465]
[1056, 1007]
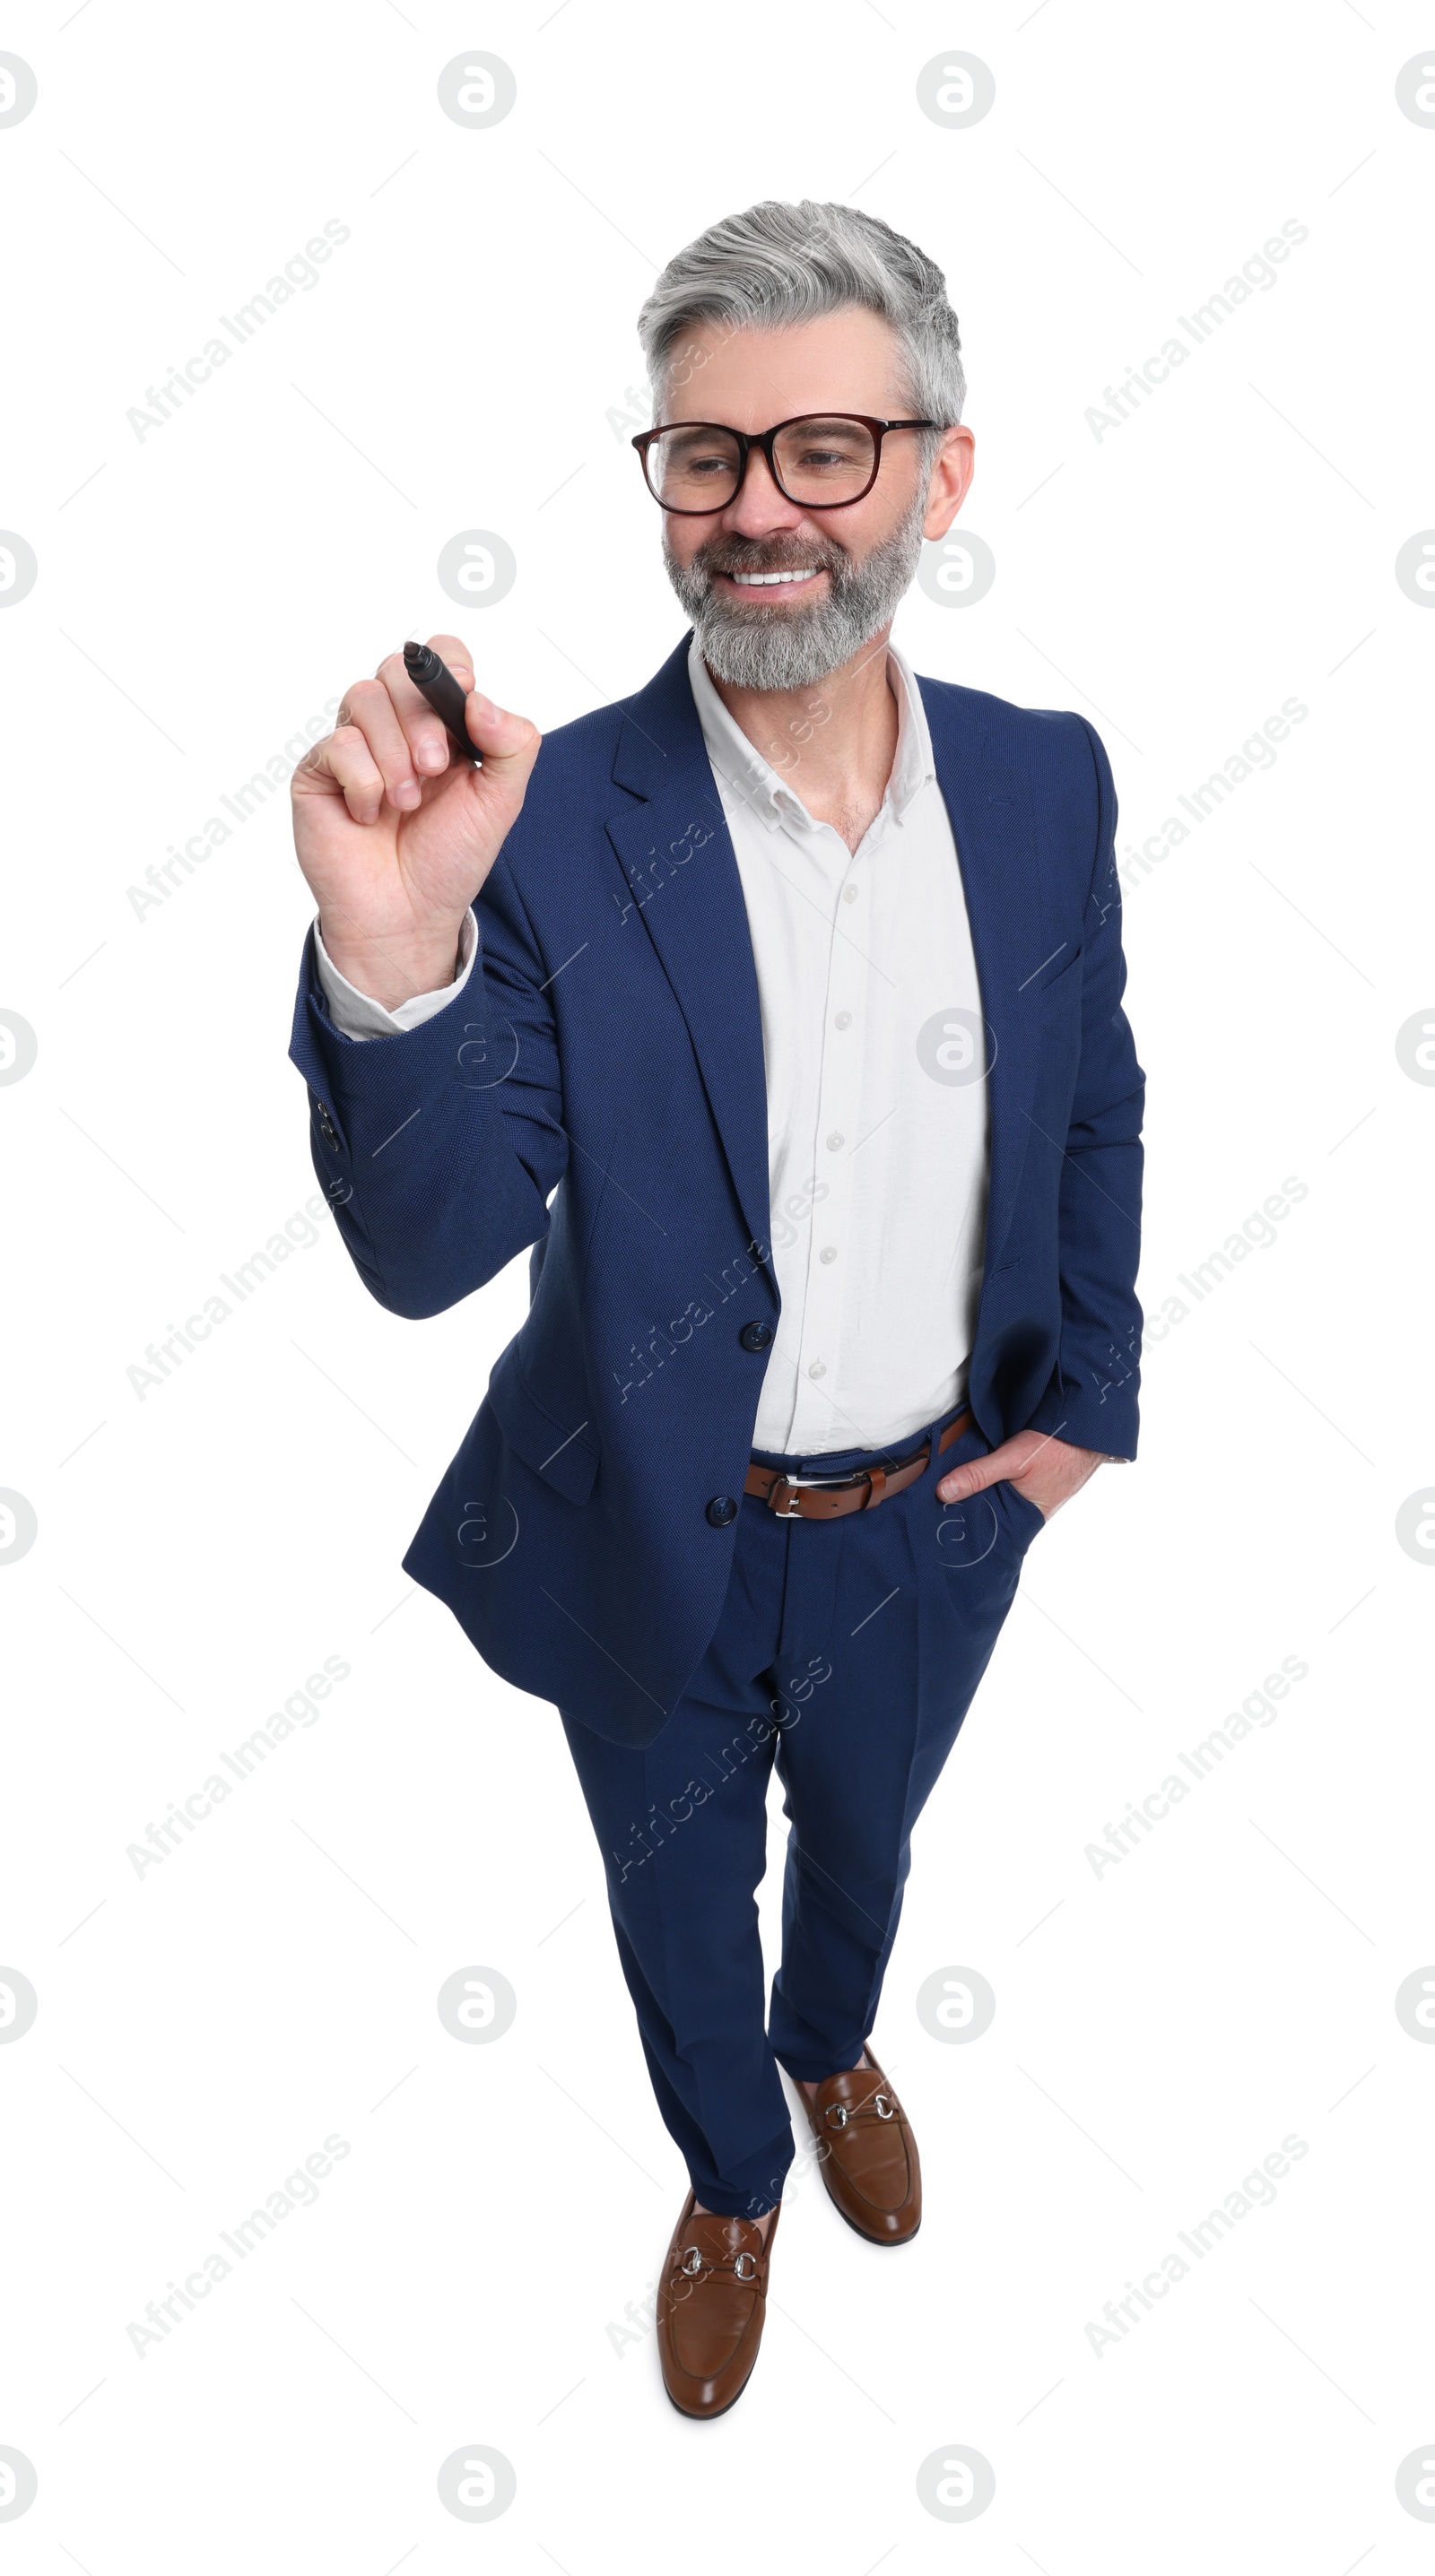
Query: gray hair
[778, 264]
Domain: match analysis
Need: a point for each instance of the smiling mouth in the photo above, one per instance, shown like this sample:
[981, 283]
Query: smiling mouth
[774, 580]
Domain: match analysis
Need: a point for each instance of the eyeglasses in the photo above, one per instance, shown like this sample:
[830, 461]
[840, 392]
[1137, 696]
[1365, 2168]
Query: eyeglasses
[821, 460]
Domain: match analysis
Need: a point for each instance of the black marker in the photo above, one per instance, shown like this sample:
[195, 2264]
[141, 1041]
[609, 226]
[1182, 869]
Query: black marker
[435, 681]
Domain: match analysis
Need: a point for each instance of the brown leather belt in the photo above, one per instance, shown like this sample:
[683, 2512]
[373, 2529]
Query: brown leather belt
[828, 1498]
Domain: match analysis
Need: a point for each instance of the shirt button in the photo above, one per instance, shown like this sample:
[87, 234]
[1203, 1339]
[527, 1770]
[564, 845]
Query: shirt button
[721, 1510]
[828, 1252]
[844, 1019]
[818, 1369]
[834, 1144]
[849, 894]
[755, 1337]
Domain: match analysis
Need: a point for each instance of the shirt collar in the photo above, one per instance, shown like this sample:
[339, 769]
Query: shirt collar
[773, 798]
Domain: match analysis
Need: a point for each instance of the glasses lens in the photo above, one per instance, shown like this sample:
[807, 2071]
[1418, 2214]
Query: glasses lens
[824, 460]
[693, 467]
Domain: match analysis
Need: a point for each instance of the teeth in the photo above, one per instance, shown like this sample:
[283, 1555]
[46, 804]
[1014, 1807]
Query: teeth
[761, 580]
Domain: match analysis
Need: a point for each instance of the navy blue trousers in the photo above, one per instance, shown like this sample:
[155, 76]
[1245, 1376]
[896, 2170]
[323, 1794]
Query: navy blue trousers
[847, 1653]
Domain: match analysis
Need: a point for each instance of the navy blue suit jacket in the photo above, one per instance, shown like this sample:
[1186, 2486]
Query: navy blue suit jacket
[597, 1093]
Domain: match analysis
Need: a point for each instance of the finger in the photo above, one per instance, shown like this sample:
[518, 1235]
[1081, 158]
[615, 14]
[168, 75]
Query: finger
[370, 707]
[452, 649]
[344, 758]
[425, 733]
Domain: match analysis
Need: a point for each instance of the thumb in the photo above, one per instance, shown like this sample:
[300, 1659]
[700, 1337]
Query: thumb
[509, 743]
[976, 1473]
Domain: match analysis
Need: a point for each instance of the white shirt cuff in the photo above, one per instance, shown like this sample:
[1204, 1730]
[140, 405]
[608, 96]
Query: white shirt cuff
[359, 1016]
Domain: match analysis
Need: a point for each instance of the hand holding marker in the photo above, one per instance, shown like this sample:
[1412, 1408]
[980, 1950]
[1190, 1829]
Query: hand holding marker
[435, 681]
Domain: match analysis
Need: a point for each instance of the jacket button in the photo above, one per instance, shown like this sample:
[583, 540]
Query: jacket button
[755, 1337]
[721, 1510]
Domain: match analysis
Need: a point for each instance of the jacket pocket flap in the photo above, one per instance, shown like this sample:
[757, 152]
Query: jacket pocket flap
[557, 1451]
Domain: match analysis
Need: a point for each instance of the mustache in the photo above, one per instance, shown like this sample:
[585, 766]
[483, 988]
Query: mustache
[769, 554]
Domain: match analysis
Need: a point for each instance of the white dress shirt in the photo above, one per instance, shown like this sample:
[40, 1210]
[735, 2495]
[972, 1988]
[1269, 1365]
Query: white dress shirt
[876, 1109]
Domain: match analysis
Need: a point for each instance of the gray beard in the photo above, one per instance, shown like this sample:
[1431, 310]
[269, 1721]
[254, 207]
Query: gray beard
[794, 648]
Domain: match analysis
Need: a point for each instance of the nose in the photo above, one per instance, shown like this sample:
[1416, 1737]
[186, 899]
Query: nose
[757, 507]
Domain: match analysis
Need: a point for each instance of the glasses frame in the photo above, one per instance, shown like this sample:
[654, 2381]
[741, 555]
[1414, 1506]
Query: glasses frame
[747, 440]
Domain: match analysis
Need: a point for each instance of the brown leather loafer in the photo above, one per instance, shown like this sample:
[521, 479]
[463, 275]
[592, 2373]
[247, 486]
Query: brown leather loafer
[868, 2154]
[712, 2300]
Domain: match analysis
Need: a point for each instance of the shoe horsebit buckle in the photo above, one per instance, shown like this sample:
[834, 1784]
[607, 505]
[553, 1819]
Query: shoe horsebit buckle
[837, 2114]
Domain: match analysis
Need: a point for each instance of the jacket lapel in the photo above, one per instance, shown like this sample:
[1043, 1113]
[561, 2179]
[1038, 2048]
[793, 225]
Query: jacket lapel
[994, 828]
[680, 880]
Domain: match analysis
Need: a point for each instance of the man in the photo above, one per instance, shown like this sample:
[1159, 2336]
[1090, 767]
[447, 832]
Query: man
[787, 1033]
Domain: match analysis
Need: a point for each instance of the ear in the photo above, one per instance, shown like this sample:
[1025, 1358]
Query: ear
[952, 469]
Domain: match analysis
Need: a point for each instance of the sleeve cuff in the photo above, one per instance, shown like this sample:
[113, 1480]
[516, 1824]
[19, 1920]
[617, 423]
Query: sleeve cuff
[357, 1015]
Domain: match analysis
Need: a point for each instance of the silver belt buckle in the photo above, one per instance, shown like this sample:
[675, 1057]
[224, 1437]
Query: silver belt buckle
[795, 1485]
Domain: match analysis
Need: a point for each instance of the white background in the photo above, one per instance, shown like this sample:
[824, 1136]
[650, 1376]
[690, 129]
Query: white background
[201, 592]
